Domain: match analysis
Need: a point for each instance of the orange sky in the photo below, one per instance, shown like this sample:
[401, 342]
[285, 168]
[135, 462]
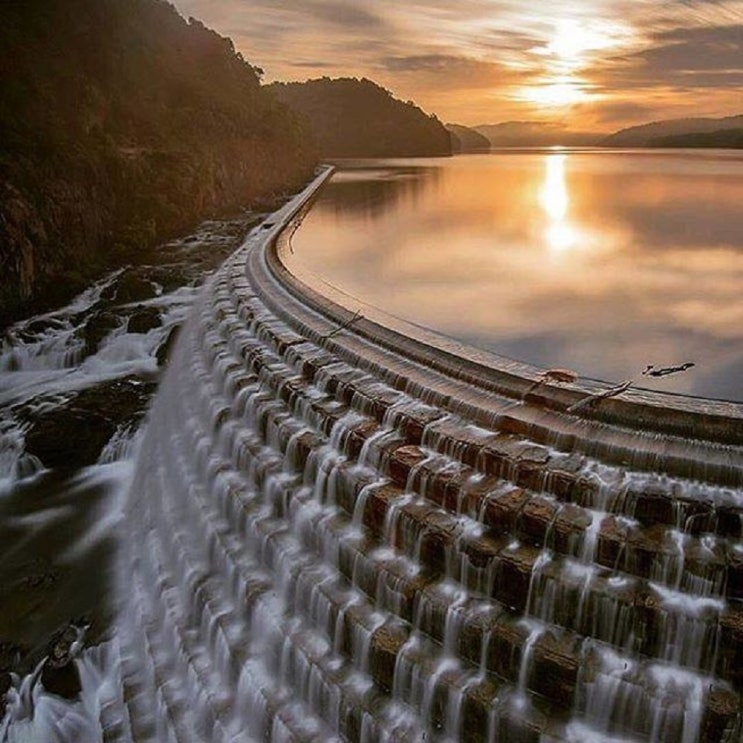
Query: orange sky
[594, 65]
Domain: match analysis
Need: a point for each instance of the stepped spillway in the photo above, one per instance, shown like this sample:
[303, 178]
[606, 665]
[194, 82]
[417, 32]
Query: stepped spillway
[342, 529]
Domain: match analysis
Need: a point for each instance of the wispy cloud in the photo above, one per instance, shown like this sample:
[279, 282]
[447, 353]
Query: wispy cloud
[494, 60]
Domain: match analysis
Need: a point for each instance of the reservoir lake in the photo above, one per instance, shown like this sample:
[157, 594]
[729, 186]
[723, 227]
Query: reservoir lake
[602, 262]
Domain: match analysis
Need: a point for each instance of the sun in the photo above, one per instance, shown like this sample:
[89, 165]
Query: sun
[567, 53]
[564, 93]
[572, 40]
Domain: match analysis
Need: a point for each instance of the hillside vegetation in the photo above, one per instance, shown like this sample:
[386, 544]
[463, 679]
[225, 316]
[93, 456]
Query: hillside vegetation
[120, 123]
[465, 139]
[647, 135]
[358, 118]
[722, 138]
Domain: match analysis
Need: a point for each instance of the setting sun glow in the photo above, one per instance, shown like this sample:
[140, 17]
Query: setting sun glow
[589, 68]
[572, 40]
[557, 94]
[566, 57]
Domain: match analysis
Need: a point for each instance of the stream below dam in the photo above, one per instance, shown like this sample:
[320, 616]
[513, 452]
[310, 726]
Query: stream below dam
[75, 385]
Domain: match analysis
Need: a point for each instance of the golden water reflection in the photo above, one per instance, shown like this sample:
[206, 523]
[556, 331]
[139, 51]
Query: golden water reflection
[602, 262]
[559, 233]
[554, 192]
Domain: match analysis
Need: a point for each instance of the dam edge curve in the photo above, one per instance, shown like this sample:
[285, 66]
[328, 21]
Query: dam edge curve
[696, 417]
[375, 534]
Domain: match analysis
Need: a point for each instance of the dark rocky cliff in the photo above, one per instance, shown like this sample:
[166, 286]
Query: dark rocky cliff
[120, 124]
[358, 118]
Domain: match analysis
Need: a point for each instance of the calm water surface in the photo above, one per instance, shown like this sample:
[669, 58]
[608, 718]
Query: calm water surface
[602, 262]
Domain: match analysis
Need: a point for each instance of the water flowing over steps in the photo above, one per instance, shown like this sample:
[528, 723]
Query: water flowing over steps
[337, 532]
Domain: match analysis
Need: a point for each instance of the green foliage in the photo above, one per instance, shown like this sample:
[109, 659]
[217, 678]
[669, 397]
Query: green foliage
[121, 123]
[358, 118]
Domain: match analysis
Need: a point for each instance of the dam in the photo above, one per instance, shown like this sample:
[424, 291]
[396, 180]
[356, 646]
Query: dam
[345, 527]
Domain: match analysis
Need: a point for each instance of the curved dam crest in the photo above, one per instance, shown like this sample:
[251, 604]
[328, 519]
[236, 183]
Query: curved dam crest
[343, 530]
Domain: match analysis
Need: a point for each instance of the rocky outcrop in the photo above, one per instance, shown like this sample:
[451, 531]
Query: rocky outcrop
[88, 422]
[120, 124]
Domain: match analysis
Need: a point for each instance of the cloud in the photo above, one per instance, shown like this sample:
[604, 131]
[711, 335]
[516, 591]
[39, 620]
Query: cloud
[488, 60]
[342, 14]
[312, 64]
[437, 63]
[616, 112]
[451, 71]
[673, 72]
[683, 57]
[689, 50]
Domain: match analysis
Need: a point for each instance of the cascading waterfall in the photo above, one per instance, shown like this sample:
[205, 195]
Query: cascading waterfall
[335, 533]
[74, 385]
[333, 540]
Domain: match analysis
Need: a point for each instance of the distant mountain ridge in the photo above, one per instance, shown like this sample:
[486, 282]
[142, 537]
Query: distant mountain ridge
[720, 138]
[534, 134]
[352, 117]
[466, 139]
[645, 134]
[691, 132]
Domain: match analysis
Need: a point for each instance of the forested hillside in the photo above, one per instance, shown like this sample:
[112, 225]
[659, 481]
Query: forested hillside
[721, 138]
[120, 123]
[647, 135]
[358, 118]
[466, 139]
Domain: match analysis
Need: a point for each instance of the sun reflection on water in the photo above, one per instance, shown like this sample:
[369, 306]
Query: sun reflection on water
[599, 262]
[554, 193]
[559, 234]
